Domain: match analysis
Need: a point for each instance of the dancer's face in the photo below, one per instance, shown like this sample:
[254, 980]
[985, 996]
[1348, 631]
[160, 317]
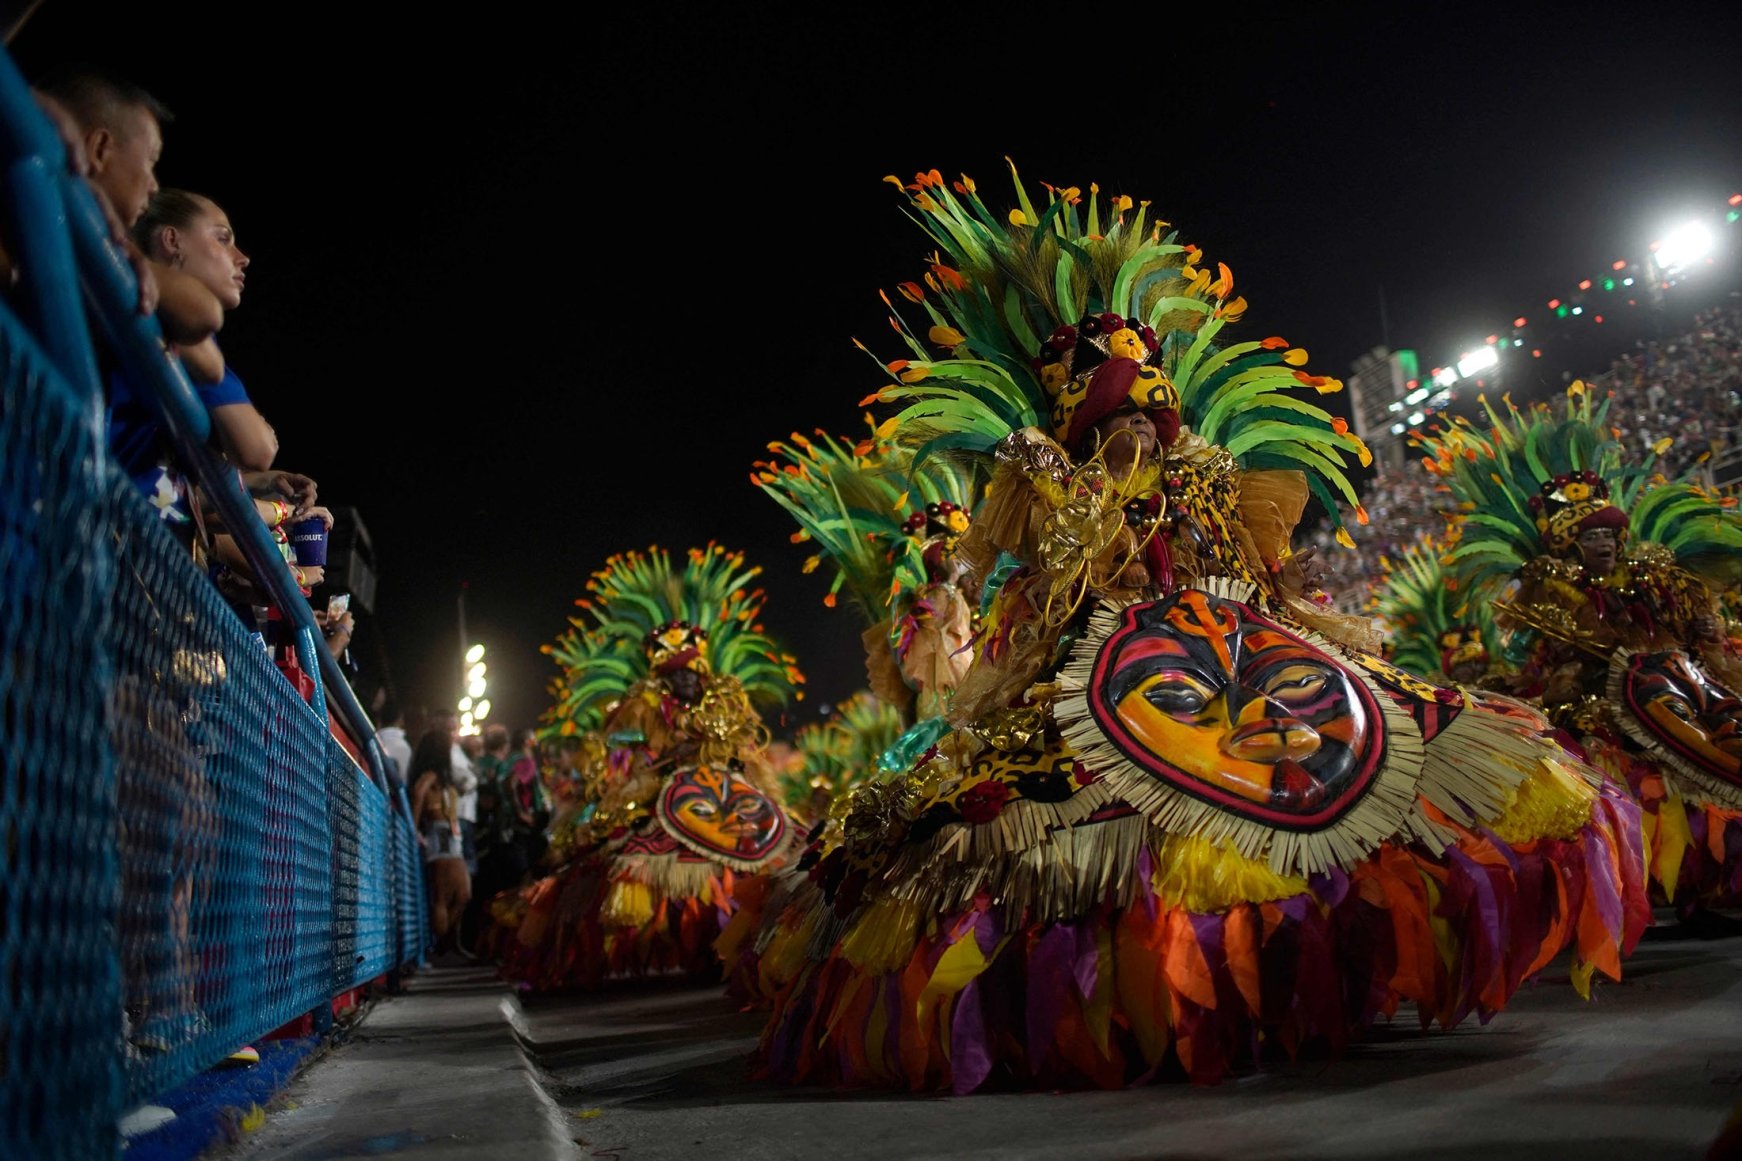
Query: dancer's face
[1600, 550]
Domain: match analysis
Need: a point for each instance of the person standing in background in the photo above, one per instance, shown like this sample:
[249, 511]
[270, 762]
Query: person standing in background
[394, 744]
[465, 785]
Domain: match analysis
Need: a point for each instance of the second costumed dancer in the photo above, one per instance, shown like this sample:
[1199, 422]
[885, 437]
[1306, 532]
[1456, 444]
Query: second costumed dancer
[1180, 815]
[660, 678]
[1604, 577]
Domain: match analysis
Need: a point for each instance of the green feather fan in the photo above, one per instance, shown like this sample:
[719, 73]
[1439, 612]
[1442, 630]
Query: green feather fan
[851, 501]
[1418, 607]
[842, 752]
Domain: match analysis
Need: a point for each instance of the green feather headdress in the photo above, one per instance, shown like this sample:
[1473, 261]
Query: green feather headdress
[843, 751]
[1494, 475]
[602, 653]
[852, 500]
[1420, 604]
[999, 286]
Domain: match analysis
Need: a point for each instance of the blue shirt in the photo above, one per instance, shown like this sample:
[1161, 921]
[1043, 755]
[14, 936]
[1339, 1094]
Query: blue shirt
[137, 437]
[140, 443]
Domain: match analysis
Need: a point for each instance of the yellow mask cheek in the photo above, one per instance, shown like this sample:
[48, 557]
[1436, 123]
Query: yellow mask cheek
[1195, 748]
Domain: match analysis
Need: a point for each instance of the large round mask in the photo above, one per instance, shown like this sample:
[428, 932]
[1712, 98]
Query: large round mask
[717, 812]
[1685, 716]
[1215, 701]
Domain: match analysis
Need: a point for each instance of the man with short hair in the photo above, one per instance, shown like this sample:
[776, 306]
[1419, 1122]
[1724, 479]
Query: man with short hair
[120, 128]
[121, 131]
[391, 735]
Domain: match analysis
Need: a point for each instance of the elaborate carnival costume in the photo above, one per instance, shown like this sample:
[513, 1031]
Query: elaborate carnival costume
[658, 680]
[1179, 817]
[1605, 577]
[889, 527]
[1432, 630]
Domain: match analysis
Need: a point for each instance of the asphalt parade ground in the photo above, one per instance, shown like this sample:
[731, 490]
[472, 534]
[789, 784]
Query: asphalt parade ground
[659, 1070]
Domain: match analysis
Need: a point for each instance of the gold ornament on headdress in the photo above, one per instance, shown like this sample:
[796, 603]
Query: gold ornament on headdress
[1087, 518]
[726, 722]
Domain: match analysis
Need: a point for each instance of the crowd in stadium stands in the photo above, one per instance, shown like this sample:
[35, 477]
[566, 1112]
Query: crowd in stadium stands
[1401, 505]
[1687, 389]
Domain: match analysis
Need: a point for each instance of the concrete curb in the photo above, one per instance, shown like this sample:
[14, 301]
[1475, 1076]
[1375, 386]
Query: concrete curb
[437, 1072]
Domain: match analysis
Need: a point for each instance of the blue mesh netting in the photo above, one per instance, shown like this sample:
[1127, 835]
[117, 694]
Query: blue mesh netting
[190, 859]
[227, 909]
[60, 983]
[410, 918]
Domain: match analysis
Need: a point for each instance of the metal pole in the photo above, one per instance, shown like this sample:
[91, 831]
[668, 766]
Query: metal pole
[463, 645]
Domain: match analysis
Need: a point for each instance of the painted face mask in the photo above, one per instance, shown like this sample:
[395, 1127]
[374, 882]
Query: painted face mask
[715, 811]
[1680, 712]
[1220, 703]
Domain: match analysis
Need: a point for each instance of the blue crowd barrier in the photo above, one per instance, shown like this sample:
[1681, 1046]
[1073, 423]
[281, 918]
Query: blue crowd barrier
[190, 857]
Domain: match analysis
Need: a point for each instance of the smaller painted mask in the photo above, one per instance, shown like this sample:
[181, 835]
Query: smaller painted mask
[1682, 709]
[717, 812]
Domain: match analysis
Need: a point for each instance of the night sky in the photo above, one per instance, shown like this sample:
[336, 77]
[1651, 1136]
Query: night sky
[526, 294]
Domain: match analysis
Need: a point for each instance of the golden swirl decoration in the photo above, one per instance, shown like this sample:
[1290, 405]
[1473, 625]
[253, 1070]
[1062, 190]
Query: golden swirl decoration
[726, 722]
[1084, 526]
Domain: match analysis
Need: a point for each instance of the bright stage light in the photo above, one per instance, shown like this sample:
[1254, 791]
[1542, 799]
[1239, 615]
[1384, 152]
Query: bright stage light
[476, 688]
[465, 705]
[1445, 376]
[474, 654]
[1416, 418]
[1684, 246]
[1417, 395]
[1397, 429]
[1478, 360]
[483, 710]
[477, 671]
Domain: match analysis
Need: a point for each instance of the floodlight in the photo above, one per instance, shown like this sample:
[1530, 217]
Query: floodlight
[1684, 246]
[1478, 360]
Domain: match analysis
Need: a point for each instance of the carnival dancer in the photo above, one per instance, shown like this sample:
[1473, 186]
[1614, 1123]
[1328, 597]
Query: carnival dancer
[659, 680]
[833, 755]
[1605, 577]
[889, 528]
[1432, 629]
[1181, 815]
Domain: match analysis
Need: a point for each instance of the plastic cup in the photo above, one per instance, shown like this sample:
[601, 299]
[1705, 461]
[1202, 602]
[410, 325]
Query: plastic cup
[308, 540]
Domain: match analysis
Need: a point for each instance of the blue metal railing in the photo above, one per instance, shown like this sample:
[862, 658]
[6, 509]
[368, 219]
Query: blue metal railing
[188, 857]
